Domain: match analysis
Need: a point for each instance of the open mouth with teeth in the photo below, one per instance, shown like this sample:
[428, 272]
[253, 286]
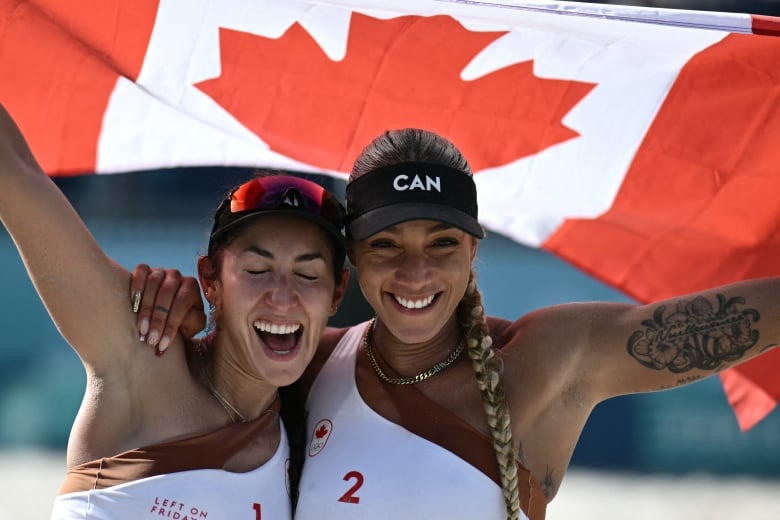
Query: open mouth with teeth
[279, 339]
[414, 303]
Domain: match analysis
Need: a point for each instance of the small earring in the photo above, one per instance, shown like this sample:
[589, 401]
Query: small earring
[211, 317]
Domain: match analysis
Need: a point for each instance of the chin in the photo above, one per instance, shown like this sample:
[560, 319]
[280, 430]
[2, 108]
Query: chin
[414, 335]
[286, 376]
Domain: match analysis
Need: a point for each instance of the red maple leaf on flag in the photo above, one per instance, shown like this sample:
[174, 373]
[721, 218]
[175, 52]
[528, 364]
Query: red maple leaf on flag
[402, 72]
[321, 432]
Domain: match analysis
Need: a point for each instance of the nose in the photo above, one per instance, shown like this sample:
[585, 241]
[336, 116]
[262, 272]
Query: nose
[414, 269]
[282, 293]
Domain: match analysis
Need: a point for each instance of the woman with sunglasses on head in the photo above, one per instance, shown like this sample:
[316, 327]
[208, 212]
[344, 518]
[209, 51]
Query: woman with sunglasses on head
[434, 410]
[196, 433]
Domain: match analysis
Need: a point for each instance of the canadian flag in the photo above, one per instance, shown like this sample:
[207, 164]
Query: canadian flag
[639, 144]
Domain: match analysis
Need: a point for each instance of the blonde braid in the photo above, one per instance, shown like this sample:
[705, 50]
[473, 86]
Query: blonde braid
[487, 370]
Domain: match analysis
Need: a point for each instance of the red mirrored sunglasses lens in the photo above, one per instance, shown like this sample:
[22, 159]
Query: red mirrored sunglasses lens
[269, 192]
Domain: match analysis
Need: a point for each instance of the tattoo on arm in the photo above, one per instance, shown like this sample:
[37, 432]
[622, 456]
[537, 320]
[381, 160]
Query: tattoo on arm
[548, 484]
[682, 381]
[695, 335]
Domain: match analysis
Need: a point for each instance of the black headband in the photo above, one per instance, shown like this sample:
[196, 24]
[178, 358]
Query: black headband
[409, 191]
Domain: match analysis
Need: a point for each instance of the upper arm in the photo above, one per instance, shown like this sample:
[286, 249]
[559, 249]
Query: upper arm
[598, 350]
[83, 290]
[680, 340]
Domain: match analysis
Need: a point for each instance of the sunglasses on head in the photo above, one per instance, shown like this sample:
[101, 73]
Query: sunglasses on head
[281, 193]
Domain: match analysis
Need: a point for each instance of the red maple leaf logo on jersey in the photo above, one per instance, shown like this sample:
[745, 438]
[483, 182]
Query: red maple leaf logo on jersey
[321, 432]
[402, 72]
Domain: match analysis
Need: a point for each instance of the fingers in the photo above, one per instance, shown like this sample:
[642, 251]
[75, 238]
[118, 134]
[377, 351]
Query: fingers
[194, 322]
[186, 311]
[166, 302]
[162, 288]
[152, 282]
[137, 283]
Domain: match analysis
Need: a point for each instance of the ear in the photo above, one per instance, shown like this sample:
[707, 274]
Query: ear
[474, 244]
[339, 291]
[208, 277]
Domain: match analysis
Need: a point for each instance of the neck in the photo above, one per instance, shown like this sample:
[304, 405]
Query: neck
[243, 397]
[409, 359]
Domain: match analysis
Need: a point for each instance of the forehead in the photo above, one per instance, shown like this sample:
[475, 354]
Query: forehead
[281, 234]
[419, 226]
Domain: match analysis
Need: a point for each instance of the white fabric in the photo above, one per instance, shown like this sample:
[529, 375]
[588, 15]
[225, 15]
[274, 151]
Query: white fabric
[395, 473]
[208, 494]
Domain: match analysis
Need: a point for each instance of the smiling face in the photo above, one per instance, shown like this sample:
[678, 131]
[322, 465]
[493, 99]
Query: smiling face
[414, 275]
[274, 294]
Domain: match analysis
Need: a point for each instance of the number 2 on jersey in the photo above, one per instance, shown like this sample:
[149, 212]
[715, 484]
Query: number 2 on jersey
[349, 497]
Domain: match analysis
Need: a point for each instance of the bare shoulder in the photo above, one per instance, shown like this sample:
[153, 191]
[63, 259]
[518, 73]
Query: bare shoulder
[499, 331]
[509, 335]
[328, 341]
[565, 322]
[549, 342]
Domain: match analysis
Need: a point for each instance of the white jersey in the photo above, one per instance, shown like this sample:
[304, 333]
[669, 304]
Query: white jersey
[360, 465]
[210, 494]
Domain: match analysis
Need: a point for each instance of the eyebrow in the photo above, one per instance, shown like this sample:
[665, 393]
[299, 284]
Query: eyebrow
[441, 226]
[433, 228]
[305, 257]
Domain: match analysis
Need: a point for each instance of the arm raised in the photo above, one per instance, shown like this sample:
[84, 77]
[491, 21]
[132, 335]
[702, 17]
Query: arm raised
[561, 361]
[84, 291]
[625, 349]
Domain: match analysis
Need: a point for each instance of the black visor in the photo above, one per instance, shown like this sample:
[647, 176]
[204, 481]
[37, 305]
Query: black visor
[411, 191]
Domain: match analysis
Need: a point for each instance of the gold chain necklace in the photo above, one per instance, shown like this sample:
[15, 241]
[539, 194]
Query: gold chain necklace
[234, 414]
[422, 376]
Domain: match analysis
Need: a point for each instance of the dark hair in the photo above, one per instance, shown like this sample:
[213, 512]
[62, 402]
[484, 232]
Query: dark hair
[293, 414]
[417, 145]
[408, 145]
[219, 241]
[292, 411]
